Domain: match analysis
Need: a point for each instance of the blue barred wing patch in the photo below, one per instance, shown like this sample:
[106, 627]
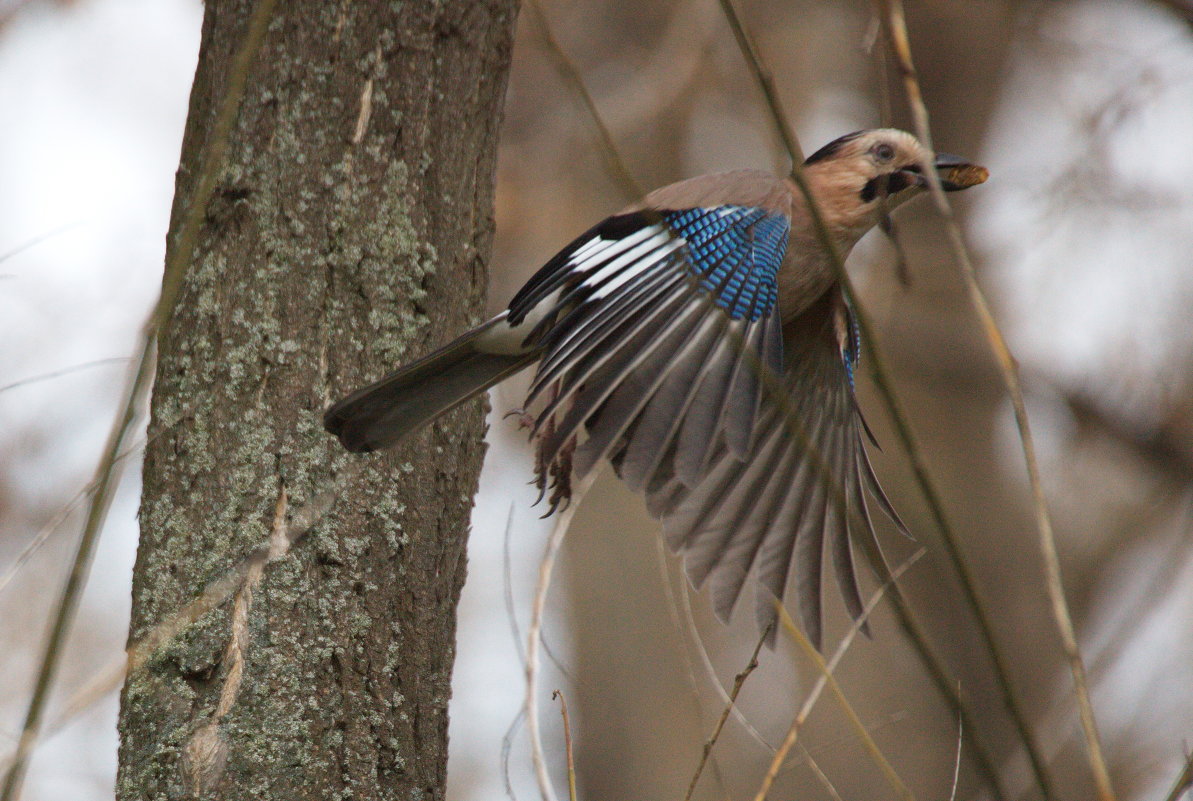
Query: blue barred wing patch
[736, 251]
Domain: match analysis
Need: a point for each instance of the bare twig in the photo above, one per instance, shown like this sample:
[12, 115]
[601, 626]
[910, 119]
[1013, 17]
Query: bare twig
[37, 240]
[571, 76]
[901, 46]
[673, 609]
[136, 388]
[534, 634]
[567, 742]
[738, 681]
[766, 83]
[105, 481]
[698, 644]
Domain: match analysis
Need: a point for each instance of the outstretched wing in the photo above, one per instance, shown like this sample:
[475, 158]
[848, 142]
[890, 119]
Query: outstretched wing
[801, 487]
[650, 328]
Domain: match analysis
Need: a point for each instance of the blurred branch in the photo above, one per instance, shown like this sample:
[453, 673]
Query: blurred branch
[37, 240]
[901, 47]
[694, 633]
[689, 669]
[1183, 782]
[826, 677]
[45, 532]
[136, 388]
[571, 76]
[1182, 8]
[65, 371]
[783, 127]
[820, 774]
[1157, 445]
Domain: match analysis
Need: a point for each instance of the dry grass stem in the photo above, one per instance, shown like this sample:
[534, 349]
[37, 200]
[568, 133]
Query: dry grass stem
[901, 46]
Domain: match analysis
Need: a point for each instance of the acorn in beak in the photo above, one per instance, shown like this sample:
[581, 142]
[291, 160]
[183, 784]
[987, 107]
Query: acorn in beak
[956, 173]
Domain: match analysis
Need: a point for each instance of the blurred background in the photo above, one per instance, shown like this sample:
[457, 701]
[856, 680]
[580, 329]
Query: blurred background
[1082, 110]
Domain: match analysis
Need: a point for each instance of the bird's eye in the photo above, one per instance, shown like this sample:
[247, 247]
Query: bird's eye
[883, 152]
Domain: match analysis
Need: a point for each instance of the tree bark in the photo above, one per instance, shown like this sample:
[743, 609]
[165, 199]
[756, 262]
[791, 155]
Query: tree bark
[350, 230]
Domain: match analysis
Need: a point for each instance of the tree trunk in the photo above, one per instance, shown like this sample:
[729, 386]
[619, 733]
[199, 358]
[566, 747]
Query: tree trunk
[350, 230]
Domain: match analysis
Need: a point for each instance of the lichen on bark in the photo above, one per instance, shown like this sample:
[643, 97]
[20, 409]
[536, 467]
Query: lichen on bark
[349, 231]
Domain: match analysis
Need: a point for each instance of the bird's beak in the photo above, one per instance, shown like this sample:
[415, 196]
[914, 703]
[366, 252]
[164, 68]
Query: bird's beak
[956, 173]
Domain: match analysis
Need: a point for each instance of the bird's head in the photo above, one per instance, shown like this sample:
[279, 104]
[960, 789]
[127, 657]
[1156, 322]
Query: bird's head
[861, 176]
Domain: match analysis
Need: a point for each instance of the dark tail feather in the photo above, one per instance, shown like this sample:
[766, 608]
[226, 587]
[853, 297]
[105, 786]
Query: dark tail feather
[379, 415]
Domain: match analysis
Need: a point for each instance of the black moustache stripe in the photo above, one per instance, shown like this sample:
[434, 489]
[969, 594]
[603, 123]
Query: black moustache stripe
[889, 184]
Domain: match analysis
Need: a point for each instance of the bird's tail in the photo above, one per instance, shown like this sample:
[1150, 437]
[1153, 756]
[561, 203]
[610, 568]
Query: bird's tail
[379, 415]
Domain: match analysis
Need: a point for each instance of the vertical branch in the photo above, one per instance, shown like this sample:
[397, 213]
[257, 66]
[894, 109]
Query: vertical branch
[136, 387]
[1006, 364]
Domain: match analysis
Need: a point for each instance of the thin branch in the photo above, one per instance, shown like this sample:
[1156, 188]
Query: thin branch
[766, 83]
[820, 774]
[689, 669]
[901, 46]
[698, 644]
[136, 388]
[105, 481]
[567, 742]
[37, 240]
[738, 681]
[64, 371]
[571, 76]
[534, 633]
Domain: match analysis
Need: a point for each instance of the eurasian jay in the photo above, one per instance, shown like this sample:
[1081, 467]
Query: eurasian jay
[651, 334]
